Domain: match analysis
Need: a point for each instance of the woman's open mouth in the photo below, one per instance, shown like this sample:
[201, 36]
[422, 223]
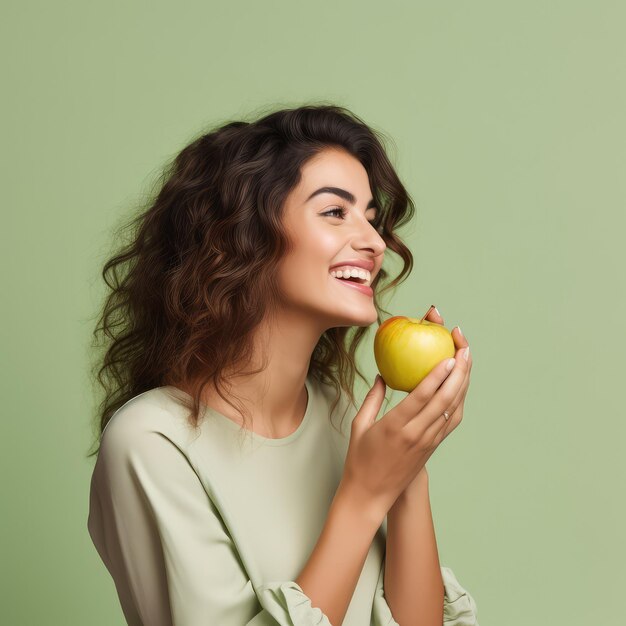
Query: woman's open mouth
[356, 283]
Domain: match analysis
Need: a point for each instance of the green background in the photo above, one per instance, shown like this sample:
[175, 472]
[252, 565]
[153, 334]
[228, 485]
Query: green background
[508, 127]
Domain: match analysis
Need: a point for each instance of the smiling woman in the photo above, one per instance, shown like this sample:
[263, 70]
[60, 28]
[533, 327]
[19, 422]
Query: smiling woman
[236, 309]
[324, 244]
[300, 190]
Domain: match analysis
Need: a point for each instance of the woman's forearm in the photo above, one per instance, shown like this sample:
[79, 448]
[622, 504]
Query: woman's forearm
[332, 572]
[413, 584]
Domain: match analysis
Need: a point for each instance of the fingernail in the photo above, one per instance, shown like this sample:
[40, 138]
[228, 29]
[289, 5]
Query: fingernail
[466, 353]
[450, 364]
[460, 331]
[437, 311]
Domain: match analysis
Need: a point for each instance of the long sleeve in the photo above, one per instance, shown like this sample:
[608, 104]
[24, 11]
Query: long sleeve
[459, 608]
[166, 546]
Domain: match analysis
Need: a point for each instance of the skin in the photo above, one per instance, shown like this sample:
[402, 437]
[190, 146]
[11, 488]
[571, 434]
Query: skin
[456, 408]
[313, 301]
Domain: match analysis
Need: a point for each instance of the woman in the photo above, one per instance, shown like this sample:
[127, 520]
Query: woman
[243, 299]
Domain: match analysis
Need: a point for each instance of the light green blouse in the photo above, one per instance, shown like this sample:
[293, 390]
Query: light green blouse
[210, 530]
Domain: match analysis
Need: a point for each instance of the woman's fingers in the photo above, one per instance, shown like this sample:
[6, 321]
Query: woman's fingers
[439, 378]
[420, 413]
[432, 315]
[455, 411]
[440, 425]
[427, 420]
[463, 388]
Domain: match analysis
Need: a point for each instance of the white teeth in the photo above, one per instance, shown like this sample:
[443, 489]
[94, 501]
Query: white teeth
[353, 272]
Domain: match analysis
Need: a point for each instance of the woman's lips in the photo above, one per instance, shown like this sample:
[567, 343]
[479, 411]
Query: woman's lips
[366, 289]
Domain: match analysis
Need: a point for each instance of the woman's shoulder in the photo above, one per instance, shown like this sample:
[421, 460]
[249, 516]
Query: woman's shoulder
[152, 413]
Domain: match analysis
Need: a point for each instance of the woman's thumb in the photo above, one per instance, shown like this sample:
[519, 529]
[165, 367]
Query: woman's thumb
[371, 405]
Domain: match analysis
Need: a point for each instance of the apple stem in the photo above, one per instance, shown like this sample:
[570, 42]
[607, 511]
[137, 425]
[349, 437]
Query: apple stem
[432, 306]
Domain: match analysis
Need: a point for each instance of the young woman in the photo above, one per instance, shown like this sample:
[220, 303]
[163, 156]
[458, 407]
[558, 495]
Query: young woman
[236, 309]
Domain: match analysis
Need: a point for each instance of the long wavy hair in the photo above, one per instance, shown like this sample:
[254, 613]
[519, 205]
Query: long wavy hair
[196, 273]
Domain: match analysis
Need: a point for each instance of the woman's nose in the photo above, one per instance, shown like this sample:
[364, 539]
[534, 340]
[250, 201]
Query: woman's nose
[369, 237]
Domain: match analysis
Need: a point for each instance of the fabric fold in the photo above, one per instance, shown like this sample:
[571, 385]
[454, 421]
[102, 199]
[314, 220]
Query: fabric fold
[459, 608]
[287, 603]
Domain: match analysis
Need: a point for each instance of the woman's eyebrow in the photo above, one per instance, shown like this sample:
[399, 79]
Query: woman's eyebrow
[342, 193]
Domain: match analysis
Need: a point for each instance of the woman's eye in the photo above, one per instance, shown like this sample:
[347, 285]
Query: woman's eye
[339, 210]
[342, 213]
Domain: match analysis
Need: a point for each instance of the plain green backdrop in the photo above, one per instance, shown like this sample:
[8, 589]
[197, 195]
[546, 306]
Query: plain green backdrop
[507, 126]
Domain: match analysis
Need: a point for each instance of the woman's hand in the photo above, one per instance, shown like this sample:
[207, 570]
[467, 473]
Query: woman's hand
[385, 456]
[456, 415]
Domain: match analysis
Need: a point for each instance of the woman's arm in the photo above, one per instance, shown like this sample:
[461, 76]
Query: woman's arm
[330, 576]
[412, 581]
[172, 559]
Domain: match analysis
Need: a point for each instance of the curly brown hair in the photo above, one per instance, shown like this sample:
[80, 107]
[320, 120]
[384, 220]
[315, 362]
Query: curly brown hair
[197, 274]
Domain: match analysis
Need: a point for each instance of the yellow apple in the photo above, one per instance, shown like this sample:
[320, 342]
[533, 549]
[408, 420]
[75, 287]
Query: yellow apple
[406, 349]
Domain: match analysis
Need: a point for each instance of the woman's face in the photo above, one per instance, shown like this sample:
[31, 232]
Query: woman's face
[328, 230]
